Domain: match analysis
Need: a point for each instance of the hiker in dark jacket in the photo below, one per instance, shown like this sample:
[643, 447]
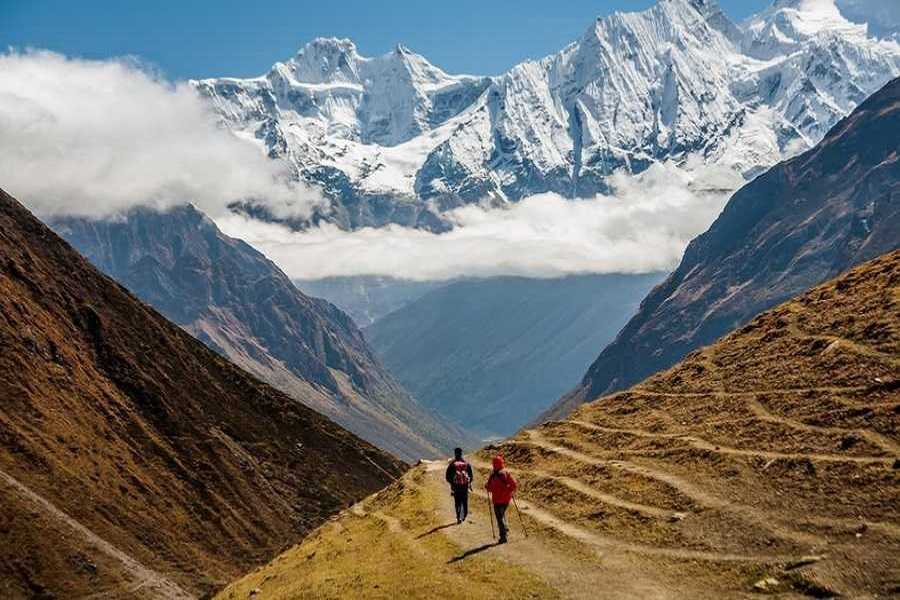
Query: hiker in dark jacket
[501, 485]
[459, 476]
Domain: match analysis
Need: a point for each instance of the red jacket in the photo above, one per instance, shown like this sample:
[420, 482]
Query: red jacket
[502, 486]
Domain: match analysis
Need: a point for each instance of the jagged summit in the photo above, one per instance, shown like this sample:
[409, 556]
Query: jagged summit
[332, 92]
[706, 8]
[330, 60]
[325, 60]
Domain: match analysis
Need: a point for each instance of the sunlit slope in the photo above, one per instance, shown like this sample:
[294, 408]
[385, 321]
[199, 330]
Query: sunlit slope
[779, 441]
[767, 462]
[393, 545]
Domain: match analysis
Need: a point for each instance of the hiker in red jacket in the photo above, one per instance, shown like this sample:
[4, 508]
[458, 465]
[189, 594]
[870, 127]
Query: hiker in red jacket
[501, 486]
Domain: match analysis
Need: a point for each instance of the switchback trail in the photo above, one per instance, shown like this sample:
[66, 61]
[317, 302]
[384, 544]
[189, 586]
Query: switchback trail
[787, 485]
[146, 583]
[412, 526]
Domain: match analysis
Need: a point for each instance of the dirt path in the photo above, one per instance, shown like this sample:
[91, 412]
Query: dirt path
[604, 574]
[833, 340]
[147, 583]
[769, 391]
[702, 444]
[412, 525]
[879, 440]
[610, 499]
[694, 492]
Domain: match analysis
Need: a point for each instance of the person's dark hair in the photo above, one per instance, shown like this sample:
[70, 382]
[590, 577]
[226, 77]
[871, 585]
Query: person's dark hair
[457, 452]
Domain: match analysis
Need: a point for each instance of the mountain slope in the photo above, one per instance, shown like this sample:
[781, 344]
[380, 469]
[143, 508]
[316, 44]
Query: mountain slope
[367, 298]
[239, 303]
[131, 456]
[765, 464]
[800, 223]
[489, 354]
[395, 139]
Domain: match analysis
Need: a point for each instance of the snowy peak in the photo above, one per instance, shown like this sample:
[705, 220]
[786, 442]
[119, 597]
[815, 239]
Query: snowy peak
[705, 8]
[326, 60]
[787, 24]
[687, 11]
[385, 100]
[394, 138]
[333, 60]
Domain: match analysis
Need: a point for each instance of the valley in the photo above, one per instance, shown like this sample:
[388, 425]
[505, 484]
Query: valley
[766, 463]
[487, 354]
[245, 320]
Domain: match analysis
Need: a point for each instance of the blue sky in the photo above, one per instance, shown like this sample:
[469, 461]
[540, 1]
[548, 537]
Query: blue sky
[190, 38]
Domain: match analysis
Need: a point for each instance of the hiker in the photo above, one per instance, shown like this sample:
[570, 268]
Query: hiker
[501, 486]
[459, 476]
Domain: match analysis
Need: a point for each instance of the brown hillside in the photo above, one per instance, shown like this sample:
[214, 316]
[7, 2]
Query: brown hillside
[134, 461]
[781, 439]
[767, 463]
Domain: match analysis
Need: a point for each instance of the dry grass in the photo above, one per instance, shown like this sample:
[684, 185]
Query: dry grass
[383, 549]
[770, 455]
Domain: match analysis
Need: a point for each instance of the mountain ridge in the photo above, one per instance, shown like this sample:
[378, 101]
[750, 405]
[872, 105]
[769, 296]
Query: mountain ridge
[798, 224]
[132, 457]
[235, 300]
[676, 80]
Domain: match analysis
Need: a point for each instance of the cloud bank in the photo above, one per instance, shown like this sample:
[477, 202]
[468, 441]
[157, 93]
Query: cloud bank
[94, 138]
[643, 226]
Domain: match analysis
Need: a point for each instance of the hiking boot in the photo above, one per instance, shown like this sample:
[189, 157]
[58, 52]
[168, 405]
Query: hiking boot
[502, 540]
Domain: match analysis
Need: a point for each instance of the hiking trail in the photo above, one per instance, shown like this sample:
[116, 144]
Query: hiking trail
[146, 583]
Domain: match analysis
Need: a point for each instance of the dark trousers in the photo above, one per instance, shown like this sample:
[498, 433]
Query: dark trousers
[461, 502]
[500, 511]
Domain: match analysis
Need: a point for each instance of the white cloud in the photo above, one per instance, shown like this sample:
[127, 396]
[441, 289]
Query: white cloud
[95, 137]
[644, 226]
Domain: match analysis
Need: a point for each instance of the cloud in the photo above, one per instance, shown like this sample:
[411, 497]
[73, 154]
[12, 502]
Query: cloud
[94, 138]
[643, 226]
[883, 16]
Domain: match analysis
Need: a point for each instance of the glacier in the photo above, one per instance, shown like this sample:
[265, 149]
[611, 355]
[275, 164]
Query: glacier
[395, 139]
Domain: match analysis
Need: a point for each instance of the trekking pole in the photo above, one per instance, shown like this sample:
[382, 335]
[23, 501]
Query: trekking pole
[491, 514]
[518, 512]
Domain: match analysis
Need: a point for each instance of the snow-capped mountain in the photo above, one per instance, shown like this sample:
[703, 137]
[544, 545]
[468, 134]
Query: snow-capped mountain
[396, 139]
